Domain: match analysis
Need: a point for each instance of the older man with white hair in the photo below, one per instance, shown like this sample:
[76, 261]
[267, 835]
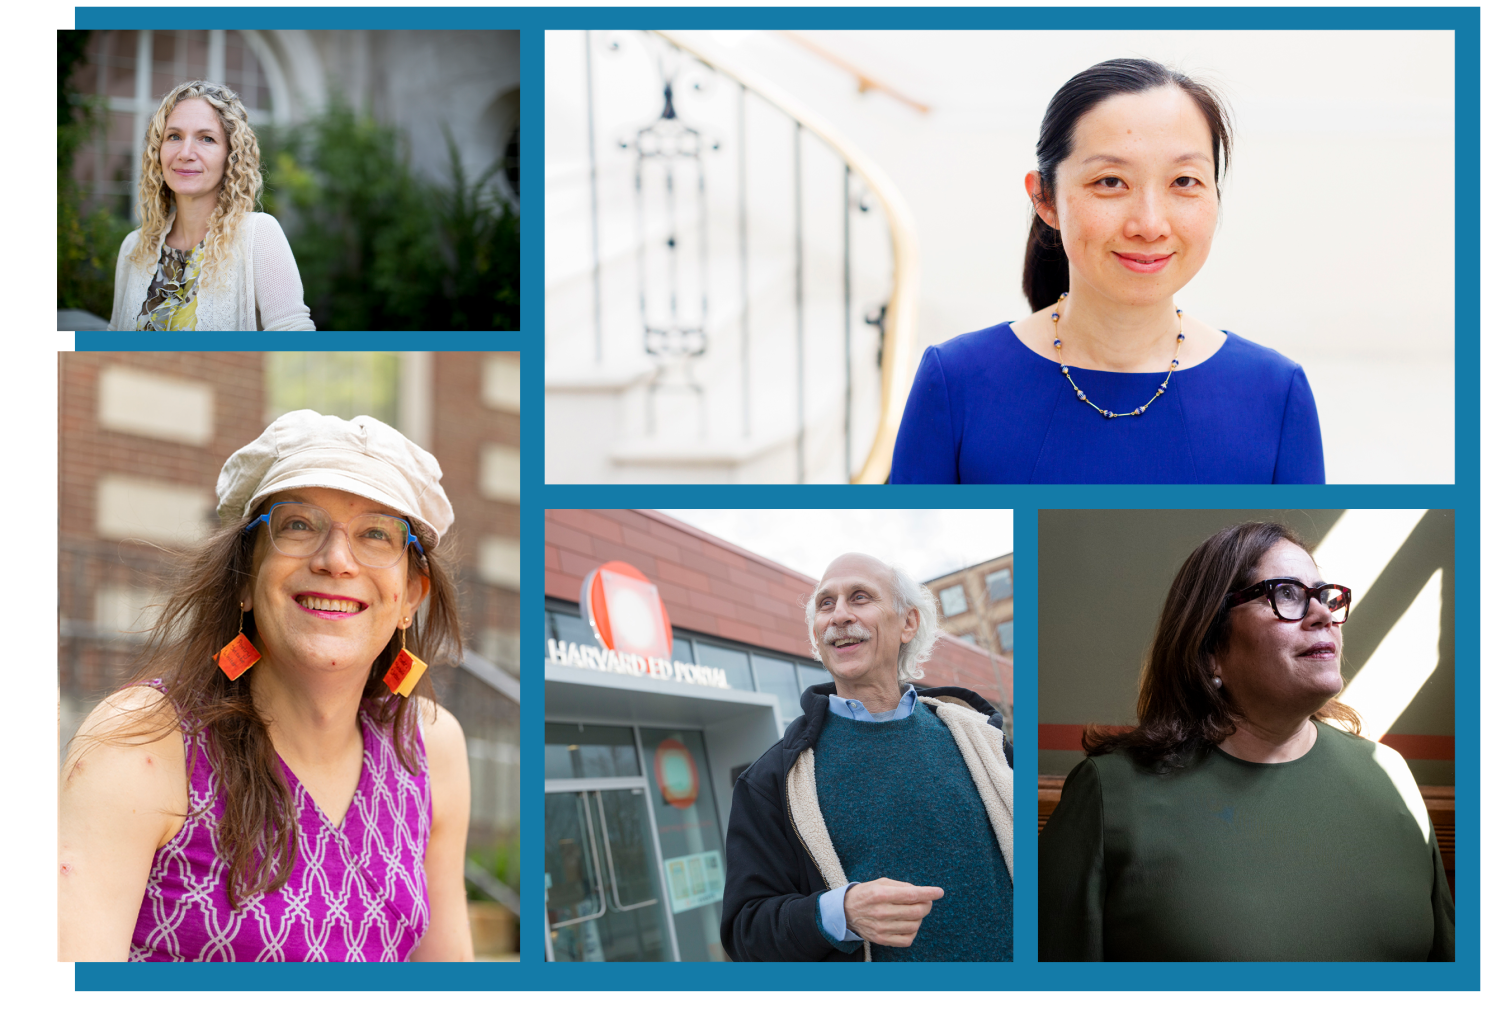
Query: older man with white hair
[880, 826]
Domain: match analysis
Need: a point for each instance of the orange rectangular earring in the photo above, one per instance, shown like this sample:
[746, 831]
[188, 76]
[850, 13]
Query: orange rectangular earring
[406, 670]
[239, 655]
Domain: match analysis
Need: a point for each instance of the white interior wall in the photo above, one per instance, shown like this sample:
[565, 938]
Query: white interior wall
[1336, 242]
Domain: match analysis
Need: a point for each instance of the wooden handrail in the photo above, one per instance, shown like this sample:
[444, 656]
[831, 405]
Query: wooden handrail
[900, 322]
[865, 81]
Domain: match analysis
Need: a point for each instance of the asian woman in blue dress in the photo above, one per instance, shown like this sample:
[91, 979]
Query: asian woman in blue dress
[1107, 381]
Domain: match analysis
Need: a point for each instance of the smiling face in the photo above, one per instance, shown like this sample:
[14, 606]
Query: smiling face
[193, 149]
[857, 626]
[1136, 200]
[1272, 666]
[328, 612]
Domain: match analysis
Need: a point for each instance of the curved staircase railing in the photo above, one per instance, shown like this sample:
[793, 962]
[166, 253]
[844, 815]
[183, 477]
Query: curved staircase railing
[670, 161]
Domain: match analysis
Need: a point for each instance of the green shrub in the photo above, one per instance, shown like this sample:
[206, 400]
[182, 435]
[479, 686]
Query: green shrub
[380, 249]
[502, 860]
[87, 241]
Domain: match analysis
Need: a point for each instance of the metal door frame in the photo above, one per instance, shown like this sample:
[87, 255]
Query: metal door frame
[574, 785]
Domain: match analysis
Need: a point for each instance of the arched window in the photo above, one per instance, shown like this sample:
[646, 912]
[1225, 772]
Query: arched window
[127, 73]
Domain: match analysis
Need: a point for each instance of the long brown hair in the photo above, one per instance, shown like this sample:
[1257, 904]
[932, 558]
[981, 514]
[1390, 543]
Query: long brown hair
[257, 834]
[1179, 711]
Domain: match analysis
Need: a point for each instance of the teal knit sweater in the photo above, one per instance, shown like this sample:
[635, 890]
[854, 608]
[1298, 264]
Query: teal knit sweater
[899, 803]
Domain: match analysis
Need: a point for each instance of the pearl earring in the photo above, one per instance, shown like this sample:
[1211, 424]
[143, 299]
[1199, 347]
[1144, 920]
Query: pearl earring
[1217, 683]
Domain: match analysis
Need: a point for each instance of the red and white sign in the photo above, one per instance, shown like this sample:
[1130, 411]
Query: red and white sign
[676, 773]
[626, 611]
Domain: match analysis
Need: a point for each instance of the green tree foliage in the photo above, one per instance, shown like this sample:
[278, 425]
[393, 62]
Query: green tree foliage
[501, 859]
[380, 249]
[341, 383]
[87, 241]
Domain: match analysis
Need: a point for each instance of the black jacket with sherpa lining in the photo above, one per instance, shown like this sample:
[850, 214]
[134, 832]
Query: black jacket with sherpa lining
[773, 886]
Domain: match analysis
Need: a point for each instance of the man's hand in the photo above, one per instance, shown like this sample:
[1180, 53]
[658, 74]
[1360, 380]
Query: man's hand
[888, 912]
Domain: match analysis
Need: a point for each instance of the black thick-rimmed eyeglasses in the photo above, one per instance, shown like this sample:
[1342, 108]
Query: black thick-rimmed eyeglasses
[1290, 598]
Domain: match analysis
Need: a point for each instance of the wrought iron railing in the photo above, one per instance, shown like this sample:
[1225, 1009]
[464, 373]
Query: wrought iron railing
[709, 257]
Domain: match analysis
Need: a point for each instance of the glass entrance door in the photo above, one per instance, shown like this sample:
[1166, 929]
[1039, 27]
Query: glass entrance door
[604, 894]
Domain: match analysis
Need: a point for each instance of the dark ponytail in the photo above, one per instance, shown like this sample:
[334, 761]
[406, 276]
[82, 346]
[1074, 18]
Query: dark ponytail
[1045, 266]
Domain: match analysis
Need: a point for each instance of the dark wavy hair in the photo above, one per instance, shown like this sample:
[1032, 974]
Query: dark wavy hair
[1045, 266]
[257, 834]
[1179, 711]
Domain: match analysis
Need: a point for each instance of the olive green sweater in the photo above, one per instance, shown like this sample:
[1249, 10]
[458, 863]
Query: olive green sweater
[1326, 857]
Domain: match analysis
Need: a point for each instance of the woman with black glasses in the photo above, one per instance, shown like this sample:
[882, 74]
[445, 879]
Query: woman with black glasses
[276, 782]
[1236, 821]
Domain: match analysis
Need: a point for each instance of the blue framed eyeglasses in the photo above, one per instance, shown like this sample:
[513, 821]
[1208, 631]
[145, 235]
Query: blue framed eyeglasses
[301, 530]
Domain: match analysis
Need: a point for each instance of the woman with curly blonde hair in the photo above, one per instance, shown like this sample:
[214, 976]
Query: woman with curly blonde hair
[202, 258]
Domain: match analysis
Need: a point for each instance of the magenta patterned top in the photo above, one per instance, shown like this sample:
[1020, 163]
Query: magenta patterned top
[357, 891]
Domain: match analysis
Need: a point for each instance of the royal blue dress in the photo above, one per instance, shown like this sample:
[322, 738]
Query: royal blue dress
[986, 408]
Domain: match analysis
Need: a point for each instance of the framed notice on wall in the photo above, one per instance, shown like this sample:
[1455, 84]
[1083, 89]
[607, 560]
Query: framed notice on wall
[694, 880]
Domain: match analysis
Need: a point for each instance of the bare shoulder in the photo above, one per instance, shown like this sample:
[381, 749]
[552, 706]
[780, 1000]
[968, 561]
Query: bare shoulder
[123, 795]
[134, 716]
[449, 768]
[442, 735]
[127, 758]
[136, 724]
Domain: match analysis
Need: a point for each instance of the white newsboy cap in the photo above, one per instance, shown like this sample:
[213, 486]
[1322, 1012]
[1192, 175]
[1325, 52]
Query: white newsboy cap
[369, 458]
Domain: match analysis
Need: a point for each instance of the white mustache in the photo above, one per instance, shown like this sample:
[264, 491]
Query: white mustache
[852, 632]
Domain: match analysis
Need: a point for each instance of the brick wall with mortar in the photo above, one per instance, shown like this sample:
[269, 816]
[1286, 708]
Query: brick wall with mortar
[87, 452]
[957, 663]
[982, 614]
[462, 423]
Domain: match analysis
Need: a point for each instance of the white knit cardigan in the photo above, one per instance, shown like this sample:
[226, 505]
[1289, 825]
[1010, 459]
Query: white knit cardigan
[980, 744]
[261, 292]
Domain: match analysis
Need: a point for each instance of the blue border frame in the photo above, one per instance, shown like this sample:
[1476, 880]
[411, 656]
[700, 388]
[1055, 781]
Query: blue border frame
[1024, 973]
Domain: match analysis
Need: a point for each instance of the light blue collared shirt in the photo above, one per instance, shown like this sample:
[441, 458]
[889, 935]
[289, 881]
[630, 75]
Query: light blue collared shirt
[832, 905]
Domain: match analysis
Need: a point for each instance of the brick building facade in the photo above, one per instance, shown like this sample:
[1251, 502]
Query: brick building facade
[977, 604]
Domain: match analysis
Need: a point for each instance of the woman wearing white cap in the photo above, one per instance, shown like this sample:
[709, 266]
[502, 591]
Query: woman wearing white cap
[277, 783]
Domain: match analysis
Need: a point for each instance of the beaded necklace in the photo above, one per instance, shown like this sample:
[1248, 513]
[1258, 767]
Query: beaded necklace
[1058, 347]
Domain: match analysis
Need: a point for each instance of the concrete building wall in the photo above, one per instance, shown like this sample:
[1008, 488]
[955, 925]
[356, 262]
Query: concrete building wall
[1116, 566]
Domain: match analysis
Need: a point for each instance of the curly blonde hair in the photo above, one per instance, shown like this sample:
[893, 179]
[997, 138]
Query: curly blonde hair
[242, 181]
